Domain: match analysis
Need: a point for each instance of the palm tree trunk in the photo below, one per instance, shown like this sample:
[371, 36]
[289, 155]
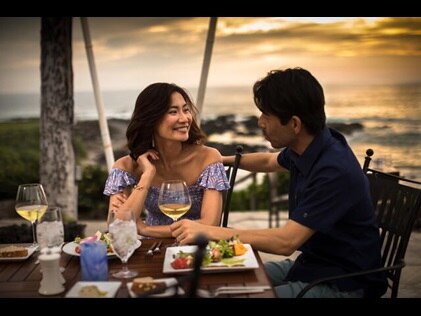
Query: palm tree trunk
[57, 159]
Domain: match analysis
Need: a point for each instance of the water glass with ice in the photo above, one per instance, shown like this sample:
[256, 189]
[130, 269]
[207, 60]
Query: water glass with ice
[50, 229]
[123, 235]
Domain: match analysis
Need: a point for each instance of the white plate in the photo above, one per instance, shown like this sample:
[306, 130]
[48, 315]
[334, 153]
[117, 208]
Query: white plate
[69, 248]
[31, 250]
[110, 287]
[170, 291]
[249, 263]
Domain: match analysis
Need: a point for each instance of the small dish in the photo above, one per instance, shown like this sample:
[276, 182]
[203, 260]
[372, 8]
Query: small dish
[31, 250]
[69, 248]
[109, 288]
[170, 291]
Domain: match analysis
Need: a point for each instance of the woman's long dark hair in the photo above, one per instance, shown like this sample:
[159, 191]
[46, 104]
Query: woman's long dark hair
[151, 105]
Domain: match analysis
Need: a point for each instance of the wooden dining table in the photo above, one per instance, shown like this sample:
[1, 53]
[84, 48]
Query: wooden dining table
[22, 278]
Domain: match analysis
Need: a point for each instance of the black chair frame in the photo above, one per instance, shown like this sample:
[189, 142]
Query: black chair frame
[276, 201]
[397, 203]
[231, 172]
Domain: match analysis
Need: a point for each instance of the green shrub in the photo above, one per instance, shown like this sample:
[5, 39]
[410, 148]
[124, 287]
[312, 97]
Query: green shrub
[92, 202]
[241, 200]
[19, 155]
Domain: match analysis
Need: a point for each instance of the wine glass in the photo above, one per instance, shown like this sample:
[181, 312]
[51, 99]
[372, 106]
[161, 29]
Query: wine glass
[50, 229]
[30, 202]
[174, 199]
[123, 235]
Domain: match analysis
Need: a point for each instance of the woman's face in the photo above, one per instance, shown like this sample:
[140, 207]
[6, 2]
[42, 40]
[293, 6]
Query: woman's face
[175, 124]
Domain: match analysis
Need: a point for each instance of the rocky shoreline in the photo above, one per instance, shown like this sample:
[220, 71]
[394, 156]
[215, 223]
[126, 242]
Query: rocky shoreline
[90, 134]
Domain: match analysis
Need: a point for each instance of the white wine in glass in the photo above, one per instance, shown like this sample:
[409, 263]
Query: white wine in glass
[174, 198]
[31, 202]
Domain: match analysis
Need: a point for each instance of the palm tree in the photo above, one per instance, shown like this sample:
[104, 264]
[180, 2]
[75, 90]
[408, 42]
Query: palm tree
[57, 158]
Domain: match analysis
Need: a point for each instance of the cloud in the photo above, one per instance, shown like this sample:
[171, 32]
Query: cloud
[132, 52]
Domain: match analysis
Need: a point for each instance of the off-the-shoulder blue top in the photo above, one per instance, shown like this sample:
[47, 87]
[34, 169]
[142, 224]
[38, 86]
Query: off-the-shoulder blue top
[213, 177]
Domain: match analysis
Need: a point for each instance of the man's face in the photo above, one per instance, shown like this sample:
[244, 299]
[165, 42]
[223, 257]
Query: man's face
[277, 134]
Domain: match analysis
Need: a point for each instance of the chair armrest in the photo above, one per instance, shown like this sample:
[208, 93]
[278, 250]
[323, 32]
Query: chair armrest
[348, 275]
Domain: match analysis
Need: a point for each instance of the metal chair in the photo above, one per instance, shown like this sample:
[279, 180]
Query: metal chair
[231, 171]
[397, 203]
[277, 201]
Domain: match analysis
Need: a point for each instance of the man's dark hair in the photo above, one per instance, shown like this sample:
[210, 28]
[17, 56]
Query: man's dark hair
[293, 91]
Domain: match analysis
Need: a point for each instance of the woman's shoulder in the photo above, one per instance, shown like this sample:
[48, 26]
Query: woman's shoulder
[209, 155]
[124, 163]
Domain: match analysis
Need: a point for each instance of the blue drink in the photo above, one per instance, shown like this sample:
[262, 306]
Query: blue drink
[94, 261]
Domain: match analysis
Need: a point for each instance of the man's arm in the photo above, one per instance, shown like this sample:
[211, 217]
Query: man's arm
[256, 162]
[282, 241]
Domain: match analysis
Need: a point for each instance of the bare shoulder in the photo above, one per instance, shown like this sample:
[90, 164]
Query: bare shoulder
[209, 155]
[124, 163]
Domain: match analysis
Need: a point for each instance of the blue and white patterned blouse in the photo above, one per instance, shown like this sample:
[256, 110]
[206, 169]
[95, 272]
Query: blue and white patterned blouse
[213, 177]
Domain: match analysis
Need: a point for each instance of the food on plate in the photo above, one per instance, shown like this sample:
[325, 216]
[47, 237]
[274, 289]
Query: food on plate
[146, 285]
[97, 236]
[91, 291]
[13, 252]
[222, 252]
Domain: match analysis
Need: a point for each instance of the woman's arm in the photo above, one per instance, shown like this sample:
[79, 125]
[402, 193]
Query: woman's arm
[211, 209]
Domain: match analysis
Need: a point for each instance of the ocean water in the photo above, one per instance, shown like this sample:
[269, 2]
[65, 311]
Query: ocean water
[391, 116]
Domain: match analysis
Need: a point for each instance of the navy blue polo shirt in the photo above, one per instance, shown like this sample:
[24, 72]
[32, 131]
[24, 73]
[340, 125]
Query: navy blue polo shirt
[329, 193]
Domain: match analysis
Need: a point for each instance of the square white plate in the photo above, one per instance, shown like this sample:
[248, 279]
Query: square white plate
[111, 287]
[170, 291]
[250, 261]
[31, 250]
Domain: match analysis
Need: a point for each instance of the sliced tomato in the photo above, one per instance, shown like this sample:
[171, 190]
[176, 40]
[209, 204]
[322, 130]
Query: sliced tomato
[180, 263]
[77, 249]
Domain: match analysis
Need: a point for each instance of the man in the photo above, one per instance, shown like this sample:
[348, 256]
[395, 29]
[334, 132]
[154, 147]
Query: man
[331, 218]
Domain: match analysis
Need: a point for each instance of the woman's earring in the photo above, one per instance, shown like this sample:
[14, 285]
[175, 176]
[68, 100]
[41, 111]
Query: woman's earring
[153, 142]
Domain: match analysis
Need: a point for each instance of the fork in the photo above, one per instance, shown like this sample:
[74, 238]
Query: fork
[156, 250]
[231, 290]
[151, 249]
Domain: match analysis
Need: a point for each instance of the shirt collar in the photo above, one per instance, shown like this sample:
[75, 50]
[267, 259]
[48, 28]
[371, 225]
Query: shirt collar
[305, 162]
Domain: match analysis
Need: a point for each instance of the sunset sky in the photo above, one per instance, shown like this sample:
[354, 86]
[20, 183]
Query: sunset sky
[131, 53]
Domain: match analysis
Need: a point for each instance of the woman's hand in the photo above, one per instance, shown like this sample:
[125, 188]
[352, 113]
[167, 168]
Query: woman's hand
[117, 200]
[145, 162]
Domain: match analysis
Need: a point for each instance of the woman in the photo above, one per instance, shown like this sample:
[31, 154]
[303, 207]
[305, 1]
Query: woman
[165, 142]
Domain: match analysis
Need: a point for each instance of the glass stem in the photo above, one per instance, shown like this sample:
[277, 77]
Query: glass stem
[34, 236]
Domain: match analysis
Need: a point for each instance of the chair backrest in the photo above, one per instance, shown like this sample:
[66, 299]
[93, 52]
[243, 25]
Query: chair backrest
[276, 201]
[397, 202]
[231, 171]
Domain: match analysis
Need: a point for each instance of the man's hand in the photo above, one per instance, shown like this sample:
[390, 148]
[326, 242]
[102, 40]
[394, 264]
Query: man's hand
[186, 231]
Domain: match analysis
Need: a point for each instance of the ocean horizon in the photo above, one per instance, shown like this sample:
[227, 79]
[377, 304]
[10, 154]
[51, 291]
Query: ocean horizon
[390, 115]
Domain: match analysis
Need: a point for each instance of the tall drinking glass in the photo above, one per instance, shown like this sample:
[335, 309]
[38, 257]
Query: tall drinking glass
[174, 199]
[50, 229]
[31, 201]
[123, 235]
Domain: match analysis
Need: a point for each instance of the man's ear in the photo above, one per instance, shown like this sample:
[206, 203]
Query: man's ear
[296, 124]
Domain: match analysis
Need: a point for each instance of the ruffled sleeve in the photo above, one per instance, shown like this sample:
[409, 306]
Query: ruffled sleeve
[117, 181]
[214, 177]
